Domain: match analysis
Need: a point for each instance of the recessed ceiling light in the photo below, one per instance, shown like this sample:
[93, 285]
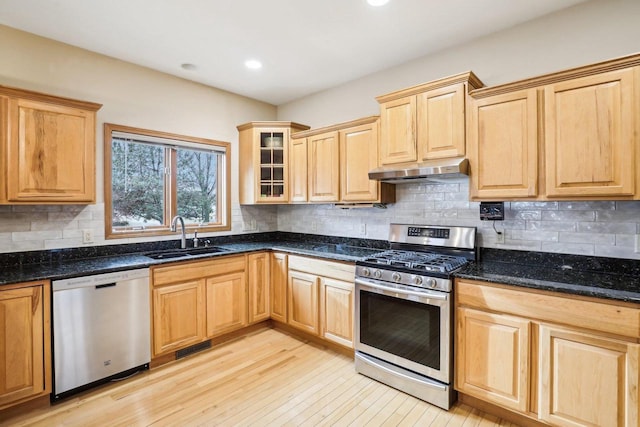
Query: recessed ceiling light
[377, 2]
[188, 67]
[253, 64]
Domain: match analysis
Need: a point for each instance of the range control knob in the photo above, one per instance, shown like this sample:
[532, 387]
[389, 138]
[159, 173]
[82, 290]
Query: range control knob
[366, 272]
[417, 280]
[432, 283]
[377, 274]
[396, 277]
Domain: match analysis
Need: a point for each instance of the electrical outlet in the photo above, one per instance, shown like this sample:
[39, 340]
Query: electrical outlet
[363, 229]
[637, 245]
[87, 236]
[500, 237]
[250, 225]
[314, 226]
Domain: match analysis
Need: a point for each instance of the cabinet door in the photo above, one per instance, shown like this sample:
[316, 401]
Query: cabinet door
[358, 155]
[398, 131]
[22, 343]
[178, 316]
[302, 299]
[503, 146]
[51, 153]
[298, 170]
[324, 174]
[493, 358]
[278, 284]
[441, 123]
[589, 135]
[259, 276]
[336, 311]
[226, 303]
[587, 380]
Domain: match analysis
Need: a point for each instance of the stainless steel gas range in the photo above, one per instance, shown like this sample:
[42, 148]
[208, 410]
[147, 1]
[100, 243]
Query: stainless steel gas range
[404, 309]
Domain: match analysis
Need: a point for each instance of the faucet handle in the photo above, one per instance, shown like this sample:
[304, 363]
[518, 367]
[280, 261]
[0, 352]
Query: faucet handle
[196, 241]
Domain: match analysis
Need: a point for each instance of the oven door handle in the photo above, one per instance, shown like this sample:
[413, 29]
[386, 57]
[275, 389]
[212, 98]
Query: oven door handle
[426, 294]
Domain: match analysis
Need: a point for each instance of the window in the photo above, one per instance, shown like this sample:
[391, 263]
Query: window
[151, 176]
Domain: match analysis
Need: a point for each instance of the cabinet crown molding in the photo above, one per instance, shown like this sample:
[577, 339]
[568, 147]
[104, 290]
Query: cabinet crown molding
[274, 124]
[559, 76]
[473, 82]
[338, 126]
[52, 99]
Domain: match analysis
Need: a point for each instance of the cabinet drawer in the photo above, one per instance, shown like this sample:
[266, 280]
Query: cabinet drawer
[548, 307]
[196, 270]
[335, 270]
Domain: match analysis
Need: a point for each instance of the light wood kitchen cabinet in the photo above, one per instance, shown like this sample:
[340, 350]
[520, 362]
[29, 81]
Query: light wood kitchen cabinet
[259, 275]
[587, 380]
[359, 155]
[302, 301]
[323, 158]
[278, 287]
[425, 122]
[197, 300]
[226, 303]
[589, 135]
[298, 175]
[41, 138]
[178, 315]
[321, 298]
[337, 164]
[571, 135]
[25, 343]
[264, 161]
[493, 357]
[503, 146]
[583, 354]
[337, 311]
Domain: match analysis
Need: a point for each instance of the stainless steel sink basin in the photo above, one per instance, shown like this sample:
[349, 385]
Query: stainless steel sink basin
[183, 253]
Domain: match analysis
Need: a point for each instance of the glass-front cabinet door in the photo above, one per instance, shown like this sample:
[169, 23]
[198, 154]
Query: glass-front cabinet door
[272, 166]
[264, 161]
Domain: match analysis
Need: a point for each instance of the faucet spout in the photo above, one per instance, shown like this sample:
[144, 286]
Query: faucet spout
[183, 237]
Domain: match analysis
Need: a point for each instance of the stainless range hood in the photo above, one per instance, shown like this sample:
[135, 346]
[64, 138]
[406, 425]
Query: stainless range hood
[432, 170]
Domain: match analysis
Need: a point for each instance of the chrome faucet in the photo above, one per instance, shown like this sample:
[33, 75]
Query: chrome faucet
[183, 237]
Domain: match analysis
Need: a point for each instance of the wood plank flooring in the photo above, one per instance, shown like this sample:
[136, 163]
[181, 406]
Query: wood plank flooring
[266, 378]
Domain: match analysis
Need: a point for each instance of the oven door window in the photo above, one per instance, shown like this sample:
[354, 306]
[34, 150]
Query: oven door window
[407, 329]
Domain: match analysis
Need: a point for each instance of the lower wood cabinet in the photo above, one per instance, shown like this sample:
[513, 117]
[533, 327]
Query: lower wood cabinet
[25, 342]
[546, 356]
[320, 298]
[278, 287]
[194, 301]
[259, 274]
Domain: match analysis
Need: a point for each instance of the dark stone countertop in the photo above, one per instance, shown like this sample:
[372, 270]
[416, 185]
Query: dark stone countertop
[66, 268]
[609, 278]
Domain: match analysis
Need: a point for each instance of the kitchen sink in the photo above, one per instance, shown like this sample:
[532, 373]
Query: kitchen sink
[183, 253]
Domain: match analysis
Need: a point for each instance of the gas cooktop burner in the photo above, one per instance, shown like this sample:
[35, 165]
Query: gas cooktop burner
[419, 261]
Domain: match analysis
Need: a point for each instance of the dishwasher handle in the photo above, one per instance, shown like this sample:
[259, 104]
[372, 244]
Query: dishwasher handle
[106, 285]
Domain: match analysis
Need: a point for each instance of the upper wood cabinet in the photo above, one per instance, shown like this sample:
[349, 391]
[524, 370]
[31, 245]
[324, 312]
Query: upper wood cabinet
[570, 135]
[589, 135]
[502, 145]
[323, 157]
[264, 161]
[25, 343]
[47, 149]
[337, 164]
[425, 122]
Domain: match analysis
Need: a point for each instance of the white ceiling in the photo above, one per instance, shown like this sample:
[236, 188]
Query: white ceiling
[306, 46]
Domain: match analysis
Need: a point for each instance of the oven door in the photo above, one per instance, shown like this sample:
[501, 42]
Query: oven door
[409, 327]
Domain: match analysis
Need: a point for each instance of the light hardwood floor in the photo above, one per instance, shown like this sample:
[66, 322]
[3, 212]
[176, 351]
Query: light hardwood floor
[266, 378]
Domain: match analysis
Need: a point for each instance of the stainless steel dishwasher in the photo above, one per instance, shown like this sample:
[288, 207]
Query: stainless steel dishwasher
[101, 329]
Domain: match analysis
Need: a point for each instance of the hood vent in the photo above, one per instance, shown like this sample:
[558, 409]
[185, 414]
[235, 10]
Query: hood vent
[430, 171]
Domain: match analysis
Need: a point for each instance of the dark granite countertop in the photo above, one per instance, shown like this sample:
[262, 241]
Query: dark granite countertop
[61, 267]
[609, 278]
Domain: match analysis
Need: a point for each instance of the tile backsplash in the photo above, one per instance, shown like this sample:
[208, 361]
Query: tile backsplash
[601, 228]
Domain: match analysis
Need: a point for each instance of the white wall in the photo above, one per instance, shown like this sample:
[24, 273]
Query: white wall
[131, 95]
[589, 32]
